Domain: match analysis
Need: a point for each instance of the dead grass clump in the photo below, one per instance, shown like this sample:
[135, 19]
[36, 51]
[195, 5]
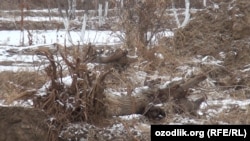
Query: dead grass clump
[15, 85]
[161, 59]
[215, 31]
[80, 101]
[140, 18]
[235, 115]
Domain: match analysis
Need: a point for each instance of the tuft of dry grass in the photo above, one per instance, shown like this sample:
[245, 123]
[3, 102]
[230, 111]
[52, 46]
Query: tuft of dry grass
[14, 85]
[235, 115]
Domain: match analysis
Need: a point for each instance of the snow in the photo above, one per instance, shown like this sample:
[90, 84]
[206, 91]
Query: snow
[207, 60]
[11, 40]
[138, 90]
[22, 103]
[175, 79]
[16, 58]
[130, 117]
[226, 103]
[18, 68]
[246, 68]
[65, 80]
[28, 18]
[41, 37]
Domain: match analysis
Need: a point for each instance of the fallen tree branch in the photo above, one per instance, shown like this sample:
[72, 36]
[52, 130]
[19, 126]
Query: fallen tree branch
[114, 57]
[140, 104]
[179, 91]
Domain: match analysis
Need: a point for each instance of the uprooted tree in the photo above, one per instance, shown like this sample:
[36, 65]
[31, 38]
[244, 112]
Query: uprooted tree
[83, 99]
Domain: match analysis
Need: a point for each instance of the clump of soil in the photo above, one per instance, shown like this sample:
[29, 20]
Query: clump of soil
[221, 31]
[23, 124]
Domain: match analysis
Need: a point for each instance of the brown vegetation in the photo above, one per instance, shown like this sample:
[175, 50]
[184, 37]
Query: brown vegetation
[86, 4]
[20, 85]
[85, 100]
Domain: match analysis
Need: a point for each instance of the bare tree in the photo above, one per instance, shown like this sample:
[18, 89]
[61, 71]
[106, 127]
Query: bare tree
[141, 21]
[49, 8]
[175, 14]
[72, 9]
[100, 15]
[205, 3]
[66, 19]
[187, 14]
[22, 5]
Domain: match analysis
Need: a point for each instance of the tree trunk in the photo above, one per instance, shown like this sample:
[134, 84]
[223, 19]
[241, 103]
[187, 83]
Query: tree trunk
[49, 9]
[187, 14]
[175, 14]
[205, 3]
[140, 104]
[100, 15]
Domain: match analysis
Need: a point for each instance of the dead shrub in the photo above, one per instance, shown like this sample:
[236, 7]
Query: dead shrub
[141, 18]
[80, 101]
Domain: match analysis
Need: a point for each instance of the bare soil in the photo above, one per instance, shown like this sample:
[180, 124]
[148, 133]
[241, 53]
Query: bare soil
[23, 124]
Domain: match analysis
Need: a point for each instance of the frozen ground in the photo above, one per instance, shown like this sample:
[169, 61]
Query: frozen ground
[221, 103]
[13, 58]
[41, 37]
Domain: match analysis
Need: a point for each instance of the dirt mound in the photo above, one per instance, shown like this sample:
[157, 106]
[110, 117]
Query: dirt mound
[221, 31]
[23, 124]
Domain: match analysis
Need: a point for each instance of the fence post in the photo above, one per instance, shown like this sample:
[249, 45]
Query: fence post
[100, 15]
[106, 9]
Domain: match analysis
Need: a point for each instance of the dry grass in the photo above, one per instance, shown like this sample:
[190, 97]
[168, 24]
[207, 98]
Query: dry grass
[86, 92]
[82, 100]
[87, 89]
[16, 84]
[235, 115]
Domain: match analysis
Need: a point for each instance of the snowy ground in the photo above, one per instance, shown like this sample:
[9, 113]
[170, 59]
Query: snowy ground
[12, 52]
[13, 58]
[41, 38]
